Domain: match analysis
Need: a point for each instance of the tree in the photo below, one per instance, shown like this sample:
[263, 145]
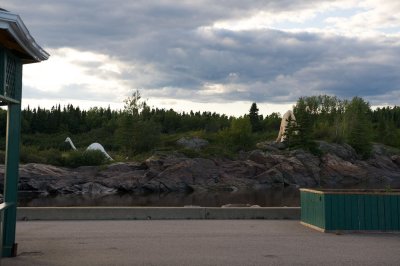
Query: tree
[137, 132]
[124, 132]
[358, 127]
[145, 135]
[254, 118]
[238, 136]
[304, 126]
[290, 132]
[133, 104]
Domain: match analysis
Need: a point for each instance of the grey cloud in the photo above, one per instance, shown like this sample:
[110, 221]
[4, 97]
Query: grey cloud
[269, 65]
[84, 23]
[75, 91]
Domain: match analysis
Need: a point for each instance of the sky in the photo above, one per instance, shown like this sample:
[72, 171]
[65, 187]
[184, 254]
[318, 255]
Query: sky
[217, 56]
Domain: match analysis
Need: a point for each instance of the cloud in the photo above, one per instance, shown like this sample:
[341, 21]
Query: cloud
[73, 74]
[214, 51]
[279, 66]
[374, 18]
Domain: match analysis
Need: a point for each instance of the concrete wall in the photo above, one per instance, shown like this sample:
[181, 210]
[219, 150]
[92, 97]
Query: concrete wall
[156, 213]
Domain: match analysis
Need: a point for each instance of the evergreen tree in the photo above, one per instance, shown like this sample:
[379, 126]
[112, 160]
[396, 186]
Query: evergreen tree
[290, 132]
[304, 126]
[137, 132]
[358, 126]
[124, 132]
[254, 118]
[145, 135]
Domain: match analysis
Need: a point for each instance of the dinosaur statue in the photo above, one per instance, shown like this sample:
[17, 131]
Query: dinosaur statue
[93, 146]
[284, 122]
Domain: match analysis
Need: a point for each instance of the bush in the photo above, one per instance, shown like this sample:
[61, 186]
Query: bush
[146, 135]
[190, 153]
[137, 136]
[359, 126]
[2, 157]
[238, 136]
[86, 158]
[32, 154]
[52, 156]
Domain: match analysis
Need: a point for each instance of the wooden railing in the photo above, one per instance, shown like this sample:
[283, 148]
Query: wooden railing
[3, 207]
[10, 75]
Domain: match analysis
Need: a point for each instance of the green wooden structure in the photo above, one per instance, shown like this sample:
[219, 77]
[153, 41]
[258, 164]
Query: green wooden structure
[17, 47]
[350, 209]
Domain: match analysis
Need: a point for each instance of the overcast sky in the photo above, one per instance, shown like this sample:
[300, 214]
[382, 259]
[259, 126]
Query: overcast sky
[212, 55]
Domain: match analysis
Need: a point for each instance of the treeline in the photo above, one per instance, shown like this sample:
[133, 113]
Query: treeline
[135, 129]
[139, 128]
[76, 121]
[343, 121]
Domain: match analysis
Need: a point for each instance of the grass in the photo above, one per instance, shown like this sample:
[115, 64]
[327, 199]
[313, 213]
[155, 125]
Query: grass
[51, 148]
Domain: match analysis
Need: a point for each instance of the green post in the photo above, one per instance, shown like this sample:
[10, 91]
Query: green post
[12, 170]
[17, 47]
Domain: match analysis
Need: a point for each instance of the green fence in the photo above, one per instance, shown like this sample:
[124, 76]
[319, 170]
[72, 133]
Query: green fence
[364, 210]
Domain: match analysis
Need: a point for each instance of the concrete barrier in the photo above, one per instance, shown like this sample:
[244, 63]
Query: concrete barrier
[280, 213]
[155, 213]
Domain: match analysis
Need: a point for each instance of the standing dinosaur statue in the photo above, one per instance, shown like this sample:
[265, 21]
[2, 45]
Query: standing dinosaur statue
[93, 146]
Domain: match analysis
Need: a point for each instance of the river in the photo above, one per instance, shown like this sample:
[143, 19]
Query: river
[271, 197]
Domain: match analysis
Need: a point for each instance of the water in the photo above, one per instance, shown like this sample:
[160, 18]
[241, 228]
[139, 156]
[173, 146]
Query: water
[272, 197]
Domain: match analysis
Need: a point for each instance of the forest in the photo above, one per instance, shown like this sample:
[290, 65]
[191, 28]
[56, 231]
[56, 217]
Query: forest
[138, 130]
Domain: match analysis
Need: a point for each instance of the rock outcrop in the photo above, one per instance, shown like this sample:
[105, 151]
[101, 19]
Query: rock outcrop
[192, 143]
[268, 166]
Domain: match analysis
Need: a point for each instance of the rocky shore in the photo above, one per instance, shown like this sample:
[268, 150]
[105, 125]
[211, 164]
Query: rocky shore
[338, 166]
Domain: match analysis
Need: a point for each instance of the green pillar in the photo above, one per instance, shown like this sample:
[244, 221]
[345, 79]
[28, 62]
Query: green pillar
[17, 47]
[11, 178]
[11, 174]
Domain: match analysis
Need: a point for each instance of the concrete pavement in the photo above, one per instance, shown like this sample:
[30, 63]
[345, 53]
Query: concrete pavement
[197, 242]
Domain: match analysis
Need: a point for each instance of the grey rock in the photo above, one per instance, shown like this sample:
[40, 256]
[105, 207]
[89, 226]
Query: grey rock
[343, 151]
[272, 176]
[338, 166]
[396, 159]
[270, 146]
[192, 143]
[257, 156]
[311, 162]
[336, 170]
[93, 188]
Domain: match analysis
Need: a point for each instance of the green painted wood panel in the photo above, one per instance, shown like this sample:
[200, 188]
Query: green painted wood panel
[341, 215]
[320, 211]
[368, 212]
[361, 212]
[387, 213]
[328, 212]
[335, 213]
[347, 211]
[355, 214]
[347, 219]
[381, 212]
[395, 207]
[374, 212]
